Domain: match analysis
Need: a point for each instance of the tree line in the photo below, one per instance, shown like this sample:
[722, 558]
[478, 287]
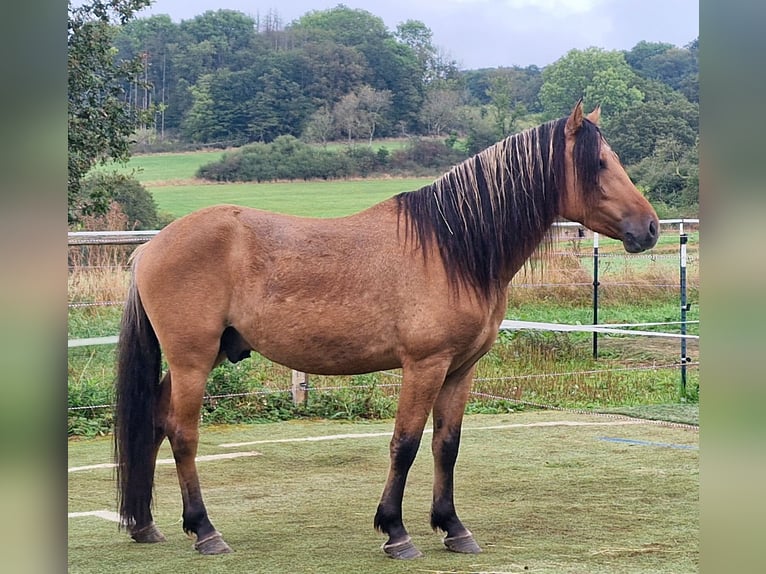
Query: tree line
[224, 78]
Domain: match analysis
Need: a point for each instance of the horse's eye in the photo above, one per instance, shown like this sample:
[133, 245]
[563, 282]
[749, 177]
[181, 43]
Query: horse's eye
[601, 164]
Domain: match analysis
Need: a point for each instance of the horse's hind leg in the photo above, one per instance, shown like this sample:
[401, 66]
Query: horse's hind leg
[420, 386]
[447, 421]
[182, 429]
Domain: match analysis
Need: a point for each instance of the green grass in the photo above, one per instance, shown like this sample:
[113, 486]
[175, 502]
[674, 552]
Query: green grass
[165, 167]
[685, 414]
[309, 198]
[544, 499]
[168, 167]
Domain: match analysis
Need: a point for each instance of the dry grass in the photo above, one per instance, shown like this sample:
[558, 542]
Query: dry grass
[98, 273]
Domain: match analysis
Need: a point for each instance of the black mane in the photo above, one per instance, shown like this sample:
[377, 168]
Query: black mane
[499, 204]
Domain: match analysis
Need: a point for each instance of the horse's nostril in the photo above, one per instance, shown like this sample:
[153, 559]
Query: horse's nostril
[653, 228]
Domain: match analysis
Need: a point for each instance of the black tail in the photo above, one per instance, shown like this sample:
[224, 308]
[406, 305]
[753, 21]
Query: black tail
[136, 392]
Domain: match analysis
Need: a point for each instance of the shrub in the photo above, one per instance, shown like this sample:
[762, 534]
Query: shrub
[431, 154]
[135, 201]
[288, 158]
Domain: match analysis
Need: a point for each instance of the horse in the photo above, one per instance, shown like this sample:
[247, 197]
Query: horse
[418, 282]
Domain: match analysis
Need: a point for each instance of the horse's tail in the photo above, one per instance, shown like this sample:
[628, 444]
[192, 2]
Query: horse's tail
[136, 393]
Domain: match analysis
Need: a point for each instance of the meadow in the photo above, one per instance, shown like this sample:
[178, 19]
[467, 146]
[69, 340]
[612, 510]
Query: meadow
[170, 177]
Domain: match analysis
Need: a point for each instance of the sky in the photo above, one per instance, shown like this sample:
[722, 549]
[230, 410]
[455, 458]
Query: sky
[493, 33]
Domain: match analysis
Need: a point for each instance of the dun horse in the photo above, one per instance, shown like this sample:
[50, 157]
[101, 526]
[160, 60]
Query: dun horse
[418, 281]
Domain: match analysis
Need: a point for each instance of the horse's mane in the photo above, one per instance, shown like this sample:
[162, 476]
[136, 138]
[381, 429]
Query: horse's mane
[500, 203]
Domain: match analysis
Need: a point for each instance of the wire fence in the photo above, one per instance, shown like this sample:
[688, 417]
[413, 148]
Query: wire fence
[98, 274]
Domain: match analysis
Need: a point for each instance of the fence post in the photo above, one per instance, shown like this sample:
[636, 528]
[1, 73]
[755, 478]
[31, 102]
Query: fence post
[300, 387]
[683, 239]
[595, 293]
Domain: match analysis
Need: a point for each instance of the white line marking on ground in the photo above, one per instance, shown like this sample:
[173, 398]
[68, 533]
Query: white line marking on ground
[318, 438]
[105, 514]
[203, 458]
[310, 438]
[429, 430]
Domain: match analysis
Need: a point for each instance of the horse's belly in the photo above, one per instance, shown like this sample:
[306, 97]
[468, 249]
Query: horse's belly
[313, 343]
[328, 357]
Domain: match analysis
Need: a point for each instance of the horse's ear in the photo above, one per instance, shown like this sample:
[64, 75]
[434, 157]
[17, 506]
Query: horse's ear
[574, 121]
[595, 115]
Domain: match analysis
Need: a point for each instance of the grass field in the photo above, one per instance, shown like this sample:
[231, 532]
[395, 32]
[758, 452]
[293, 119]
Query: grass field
[181, 166]
[170, 177]
[615, 498]
[308, 198]
[161, 167]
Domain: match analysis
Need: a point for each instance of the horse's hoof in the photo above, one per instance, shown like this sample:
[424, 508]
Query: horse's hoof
[147, 534]
[404, 550]
[464, 544]
[213, 544]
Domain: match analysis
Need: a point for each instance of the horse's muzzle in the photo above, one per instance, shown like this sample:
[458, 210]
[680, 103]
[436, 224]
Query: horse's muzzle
[639, 236]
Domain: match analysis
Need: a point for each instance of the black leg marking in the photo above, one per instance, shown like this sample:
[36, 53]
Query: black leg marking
[443, 515]
[388, 517]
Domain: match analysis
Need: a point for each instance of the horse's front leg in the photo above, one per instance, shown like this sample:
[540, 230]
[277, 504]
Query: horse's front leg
[183, 433]
[420, 385]
[448, 418]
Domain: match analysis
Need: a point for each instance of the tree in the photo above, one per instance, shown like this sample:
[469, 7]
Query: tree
[634, 132]
[613, 90]
[320, 127]
[346, 116]
[643, 52]
[434, 63]
[675, 67]
[154, 39]
[331, 70]
[230, 33]
[359, 113]
[594, 74]
[278, 107]
[504, 109]
[201, 123]
[372, 106]
[670, 176]
[343, 25]
[100, 120]
[440, 110]
[389, 64]
[523, 85]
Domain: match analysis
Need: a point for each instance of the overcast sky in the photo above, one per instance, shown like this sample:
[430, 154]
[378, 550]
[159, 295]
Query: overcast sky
[491, 33]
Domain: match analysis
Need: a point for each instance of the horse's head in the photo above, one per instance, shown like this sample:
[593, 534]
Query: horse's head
[598, 193]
